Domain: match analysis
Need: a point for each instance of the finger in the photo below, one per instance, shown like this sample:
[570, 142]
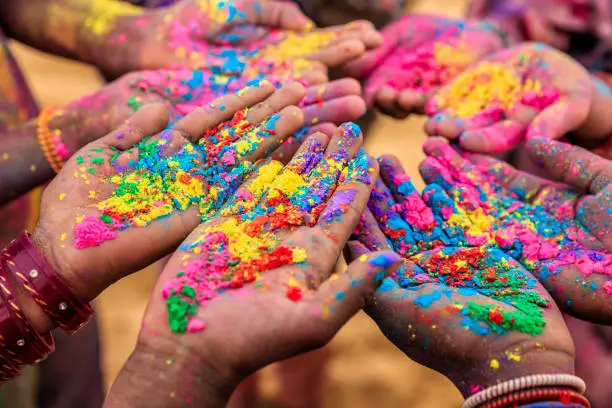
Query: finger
[410, 204]
[197, 123]
[338, 110]
[147, 121]
[369, 233]
[386, 99]
[324, 92]
[345, 143]
[338, 54]
[447, 125]
[347, 293]
[267, 137]
[362, 30]
[364, 66]
[280, 14]
[572, 165]
[287, 149]
[308, 155]
[349, 200]
[413, 100]
[291, 94]
[558, 119]
[497, 138]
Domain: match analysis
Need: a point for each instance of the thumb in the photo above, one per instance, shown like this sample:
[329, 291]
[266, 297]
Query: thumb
[349, 292]
[277, 14]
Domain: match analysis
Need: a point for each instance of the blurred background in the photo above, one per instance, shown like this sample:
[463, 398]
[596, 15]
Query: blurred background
[365, 369]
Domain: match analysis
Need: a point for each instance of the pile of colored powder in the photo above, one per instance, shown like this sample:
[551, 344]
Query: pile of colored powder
[245, 245]
[161, 182]
[491, 273]
[491, 88]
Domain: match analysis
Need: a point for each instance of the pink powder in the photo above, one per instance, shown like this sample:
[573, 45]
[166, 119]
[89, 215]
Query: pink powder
[195, 326]
[92, 232]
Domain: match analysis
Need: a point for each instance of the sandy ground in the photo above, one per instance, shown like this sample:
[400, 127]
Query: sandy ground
[365, 370]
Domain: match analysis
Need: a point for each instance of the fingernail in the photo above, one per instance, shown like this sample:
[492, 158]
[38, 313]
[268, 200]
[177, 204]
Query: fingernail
[385, 260]
[350, 129]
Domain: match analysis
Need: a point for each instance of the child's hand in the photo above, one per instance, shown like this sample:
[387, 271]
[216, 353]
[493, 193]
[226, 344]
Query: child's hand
[555, 233]
[419, 54]
[252, 285]
[527, 91]
[457, 305]
[141, 184]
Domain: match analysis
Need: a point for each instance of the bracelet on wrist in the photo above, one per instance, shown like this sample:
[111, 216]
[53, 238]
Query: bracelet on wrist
[533, 388]
[45, 285]
[50, 142]
[21, 343]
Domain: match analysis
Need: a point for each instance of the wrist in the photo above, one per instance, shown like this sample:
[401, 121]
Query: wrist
[510, 365]
[169, 374]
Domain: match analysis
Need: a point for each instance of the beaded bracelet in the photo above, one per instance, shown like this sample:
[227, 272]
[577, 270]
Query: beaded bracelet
[21, 343]
[50, 141]
[518, 398]
[45, 285]
[523, 383]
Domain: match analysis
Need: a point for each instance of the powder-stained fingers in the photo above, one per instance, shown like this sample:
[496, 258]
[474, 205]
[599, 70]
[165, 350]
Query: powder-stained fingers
[363, 30]
[269, 134]
[525, 186]
[287, 149]
[323, 242]
[288, 95]
[413, 100]
[445, 123]
[385, 99]
[572, 165]
[337, 110]
[319, 93]
[563, 116]
[198, 122]
[308, 154]
[345, 142]
[149, 120]
[368, 233]
[393, 174]
[275, 14]
[497, 138]
[338, 54]
[585, 297]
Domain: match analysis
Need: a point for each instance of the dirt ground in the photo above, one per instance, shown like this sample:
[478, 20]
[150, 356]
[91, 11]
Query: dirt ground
[365, 370]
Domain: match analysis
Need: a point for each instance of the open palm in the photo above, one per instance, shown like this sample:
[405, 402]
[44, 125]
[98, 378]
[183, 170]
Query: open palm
[419, 54]
[568, 257]
[264, 264]
[143, 184]
[518, 93]
[460, 307]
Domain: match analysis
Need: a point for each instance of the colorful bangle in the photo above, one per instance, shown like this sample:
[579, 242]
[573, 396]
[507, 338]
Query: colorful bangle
[524, 383]
[21, 343]
[518, 398]
[45, 285]
[50, 141]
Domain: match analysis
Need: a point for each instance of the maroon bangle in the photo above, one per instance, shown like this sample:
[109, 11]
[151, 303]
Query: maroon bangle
[21, 343]
[45, 285]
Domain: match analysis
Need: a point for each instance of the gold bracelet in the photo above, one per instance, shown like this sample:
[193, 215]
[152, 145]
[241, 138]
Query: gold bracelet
[46, 137]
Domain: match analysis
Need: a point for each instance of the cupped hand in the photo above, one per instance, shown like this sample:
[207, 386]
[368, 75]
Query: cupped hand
[233, 36]
[419, 54]
[546, 231]
[254, 285]
[522, 92]
[456, 305]
[184, 91]
[144, 184]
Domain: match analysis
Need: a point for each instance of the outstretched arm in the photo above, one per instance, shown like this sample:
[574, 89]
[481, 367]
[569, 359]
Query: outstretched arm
[71, 28]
